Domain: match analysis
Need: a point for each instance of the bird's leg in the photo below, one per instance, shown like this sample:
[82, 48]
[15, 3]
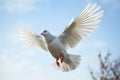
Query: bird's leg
[57, 62]
[61, 58]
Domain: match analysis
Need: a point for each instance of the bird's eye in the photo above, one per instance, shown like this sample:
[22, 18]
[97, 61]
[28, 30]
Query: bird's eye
[45, 31]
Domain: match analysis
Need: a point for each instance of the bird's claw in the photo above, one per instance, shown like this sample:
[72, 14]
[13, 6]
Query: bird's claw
[61, 60]
[58, 64]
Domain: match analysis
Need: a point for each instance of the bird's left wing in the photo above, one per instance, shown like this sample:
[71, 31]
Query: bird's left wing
[81, 26]
[31, 39]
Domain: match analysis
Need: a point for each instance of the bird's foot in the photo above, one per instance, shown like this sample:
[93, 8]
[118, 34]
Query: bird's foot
[61, 58]
[58, 64]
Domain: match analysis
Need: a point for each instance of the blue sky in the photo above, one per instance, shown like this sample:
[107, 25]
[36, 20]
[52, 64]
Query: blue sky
[19, 62]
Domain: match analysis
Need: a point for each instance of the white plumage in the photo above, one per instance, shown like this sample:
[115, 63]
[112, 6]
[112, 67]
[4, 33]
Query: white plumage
[74, 32]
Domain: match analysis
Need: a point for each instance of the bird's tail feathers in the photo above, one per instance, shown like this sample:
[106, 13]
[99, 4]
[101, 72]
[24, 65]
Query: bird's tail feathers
[69, 64]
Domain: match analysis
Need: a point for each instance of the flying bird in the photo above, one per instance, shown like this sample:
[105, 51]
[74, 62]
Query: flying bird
[79, 27]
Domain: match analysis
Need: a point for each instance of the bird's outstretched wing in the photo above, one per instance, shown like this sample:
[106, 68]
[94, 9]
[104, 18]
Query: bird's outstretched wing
[81, 26]
[31, 39]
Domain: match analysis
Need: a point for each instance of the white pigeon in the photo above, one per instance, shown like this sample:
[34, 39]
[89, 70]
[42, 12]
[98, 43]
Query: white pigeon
[74, 32]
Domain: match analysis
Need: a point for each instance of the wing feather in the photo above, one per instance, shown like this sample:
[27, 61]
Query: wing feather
[81, 26]
[31, 39]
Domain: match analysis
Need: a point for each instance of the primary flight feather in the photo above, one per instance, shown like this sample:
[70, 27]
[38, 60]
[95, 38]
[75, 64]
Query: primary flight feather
[74, 32]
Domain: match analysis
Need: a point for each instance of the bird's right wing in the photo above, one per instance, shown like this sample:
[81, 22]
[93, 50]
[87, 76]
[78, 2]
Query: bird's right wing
[81, 26]
[31, 39]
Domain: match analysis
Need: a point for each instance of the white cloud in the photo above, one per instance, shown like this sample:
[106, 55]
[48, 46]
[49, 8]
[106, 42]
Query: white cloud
[12, 68]
[20, 5]
[3, 57]
[17, 63]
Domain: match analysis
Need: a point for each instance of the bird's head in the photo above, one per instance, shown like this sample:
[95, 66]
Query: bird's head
[45, 32]
[48, 36]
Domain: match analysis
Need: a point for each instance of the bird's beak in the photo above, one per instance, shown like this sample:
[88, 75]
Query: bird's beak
[41, 33]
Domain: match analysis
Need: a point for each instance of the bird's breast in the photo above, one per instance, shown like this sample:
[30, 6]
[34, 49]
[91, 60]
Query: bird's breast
[55, 48]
